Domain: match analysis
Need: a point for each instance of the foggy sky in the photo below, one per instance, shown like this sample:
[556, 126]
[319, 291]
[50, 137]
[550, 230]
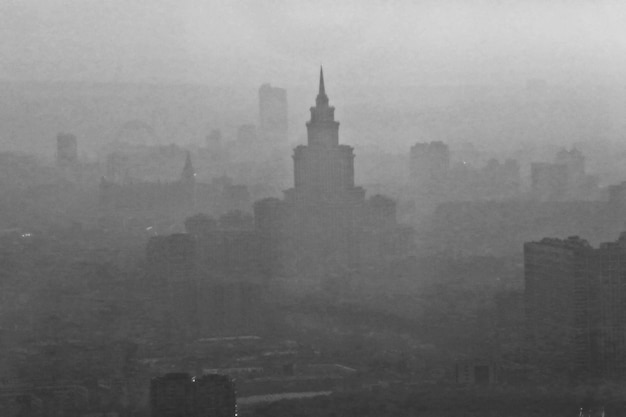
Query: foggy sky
[360, 42]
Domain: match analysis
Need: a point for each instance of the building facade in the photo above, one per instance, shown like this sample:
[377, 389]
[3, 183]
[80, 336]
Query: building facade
[576, 306]
[209, 283]
[324, 220]
[559, 279]
[273, 118]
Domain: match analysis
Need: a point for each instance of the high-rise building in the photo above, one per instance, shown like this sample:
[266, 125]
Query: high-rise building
[574, 160]
[612, 305]
[565, 179]
[324, 169]
[558, 294]
[325, 203]
[576, 306]
[273, 114]
[214, 396]
[324, 219]
[172, 396]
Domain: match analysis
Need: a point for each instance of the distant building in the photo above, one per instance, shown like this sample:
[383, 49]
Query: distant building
[548, 181]
[164, 205]
[499, 181]
[273, 118]
[565, 179]
[212, 282]
[429, 162]
[574, 160]
[617, 197]
[576, 306]
[67, 150]
[174, 199]
[324, 220]
[559, 296]
[612, 304]
[435, 180]
[172, 396]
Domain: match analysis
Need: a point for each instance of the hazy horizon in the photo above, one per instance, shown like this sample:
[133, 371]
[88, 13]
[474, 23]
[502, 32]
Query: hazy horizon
[364, 43]
[387, 66]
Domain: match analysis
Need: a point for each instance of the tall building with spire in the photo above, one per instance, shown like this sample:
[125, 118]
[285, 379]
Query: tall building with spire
[325, 204]
[324, 219]
[323, 169]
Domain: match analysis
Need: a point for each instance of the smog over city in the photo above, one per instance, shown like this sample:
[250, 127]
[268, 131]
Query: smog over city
[312, 208]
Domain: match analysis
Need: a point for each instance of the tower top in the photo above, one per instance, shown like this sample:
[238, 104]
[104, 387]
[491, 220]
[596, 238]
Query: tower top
[322, 98]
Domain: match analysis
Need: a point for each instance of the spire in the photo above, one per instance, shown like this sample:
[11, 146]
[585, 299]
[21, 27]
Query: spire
[322, 98]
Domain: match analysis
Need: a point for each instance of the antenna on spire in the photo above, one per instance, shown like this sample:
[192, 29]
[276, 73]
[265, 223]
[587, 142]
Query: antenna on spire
[322, 91]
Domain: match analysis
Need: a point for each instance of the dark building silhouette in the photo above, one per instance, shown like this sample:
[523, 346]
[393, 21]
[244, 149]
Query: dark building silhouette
[565, 179]
[172, 396]
[435, 180]
[559, 286]
[324, 220]
[215, 396]
[617, 199]
[163, 206]
[612, 304]
[576, 306]
[150, 200]
[574, 160]
[324, 200]
[273, 117]
[480, 372]
[211, 281]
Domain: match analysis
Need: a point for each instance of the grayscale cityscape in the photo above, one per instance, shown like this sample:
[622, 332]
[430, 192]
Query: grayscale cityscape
[312, 209]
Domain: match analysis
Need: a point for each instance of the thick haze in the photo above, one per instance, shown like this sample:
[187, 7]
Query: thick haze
[398, 71]
[249, 42]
